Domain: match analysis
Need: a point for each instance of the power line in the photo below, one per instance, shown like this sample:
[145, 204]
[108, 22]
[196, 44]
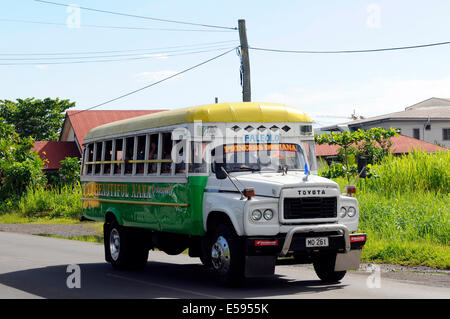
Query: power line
[352, 51]
[113, 27]
[166, 52]
[157, 82]
[140, 17]
[192, 46]
[148, 56]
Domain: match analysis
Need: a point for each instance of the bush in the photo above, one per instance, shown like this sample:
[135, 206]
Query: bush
[20, 168]
[405, 210]
[51, 203]
[68, 174]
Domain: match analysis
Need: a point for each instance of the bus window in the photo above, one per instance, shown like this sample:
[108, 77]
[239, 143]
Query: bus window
[90, 157]
[197, 162]
[129, 155]
[98, 157]
[108, 157]
[180, 160]
[118, 156]
[166, 153]
[153, 153]
[140, 154]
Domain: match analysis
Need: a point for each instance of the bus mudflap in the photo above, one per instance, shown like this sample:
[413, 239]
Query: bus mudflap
[351, 259]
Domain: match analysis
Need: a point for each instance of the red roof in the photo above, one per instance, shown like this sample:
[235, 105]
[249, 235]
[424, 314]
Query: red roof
[84, 121]
[54, 152]
[400, 144]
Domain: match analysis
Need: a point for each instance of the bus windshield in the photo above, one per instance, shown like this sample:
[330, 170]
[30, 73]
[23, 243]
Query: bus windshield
[261, 157]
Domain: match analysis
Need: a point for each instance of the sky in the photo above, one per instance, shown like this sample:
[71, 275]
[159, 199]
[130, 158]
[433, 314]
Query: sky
[328, 87]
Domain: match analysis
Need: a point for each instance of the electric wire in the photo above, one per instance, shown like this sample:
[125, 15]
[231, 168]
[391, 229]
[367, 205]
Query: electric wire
[138, 16]
[157, 82]
[351, 51]
[192, 46]
[147, 56]
[166, 52]
[113, 27]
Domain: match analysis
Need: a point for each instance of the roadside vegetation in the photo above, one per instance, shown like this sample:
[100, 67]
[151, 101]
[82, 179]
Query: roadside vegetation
[405, 210]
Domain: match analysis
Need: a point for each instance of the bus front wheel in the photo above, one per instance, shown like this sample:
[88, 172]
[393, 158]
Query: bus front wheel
[227, 255]
[324, 268]
[123, 249]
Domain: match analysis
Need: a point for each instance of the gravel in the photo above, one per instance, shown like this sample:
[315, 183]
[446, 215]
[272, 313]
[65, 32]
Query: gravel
[71, 230]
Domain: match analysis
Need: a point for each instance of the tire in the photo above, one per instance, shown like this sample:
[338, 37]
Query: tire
[324, 268]
[124, 249]
[227, 255]
[205, 252]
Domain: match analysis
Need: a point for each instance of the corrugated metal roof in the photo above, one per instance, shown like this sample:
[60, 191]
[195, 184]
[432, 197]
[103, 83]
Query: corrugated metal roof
[400, 144]
[434, 108]
[54, 152]
[83, 122]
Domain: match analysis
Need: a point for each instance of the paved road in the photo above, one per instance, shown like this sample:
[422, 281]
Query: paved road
[35, 267]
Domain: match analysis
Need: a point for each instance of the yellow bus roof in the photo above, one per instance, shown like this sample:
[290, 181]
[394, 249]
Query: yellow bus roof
[217, 113]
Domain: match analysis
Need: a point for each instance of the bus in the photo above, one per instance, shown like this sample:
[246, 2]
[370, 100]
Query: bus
[234, 184]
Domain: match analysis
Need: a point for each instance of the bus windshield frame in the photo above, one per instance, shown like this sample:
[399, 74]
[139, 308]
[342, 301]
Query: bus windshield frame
[239, 157]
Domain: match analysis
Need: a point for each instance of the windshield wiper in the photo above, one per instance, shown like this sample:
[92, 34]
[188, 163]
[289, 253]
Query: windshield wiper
[248, 168]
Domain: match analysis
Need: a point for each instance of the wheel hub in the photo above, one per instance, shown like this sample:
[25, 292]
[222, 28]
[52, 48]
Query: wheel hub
[114, 244]
[220, 255]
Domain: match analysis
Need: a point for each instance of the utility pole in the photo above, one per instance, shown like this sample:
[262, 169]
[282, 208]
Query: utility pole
[245, 63]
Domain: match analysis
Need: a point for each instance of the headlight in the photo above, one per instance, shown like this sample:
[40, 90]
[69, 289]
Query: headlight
[351, 212]
[256, 214]
[343, 212]
[268, 214]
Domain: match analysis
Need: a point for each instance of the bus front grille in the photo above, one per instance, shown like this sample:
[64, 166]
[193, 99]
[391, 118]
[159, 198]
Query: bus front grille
[310, 207]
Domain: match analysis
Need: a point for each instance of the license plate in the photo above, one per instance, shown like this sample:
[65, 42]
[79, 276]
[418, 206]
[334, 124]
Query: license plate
[317, 242]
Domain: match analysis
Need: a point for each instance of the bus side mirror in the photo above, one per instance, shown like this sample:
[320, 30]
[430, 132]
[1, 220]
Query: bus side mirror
[362, 163]
[218, 169]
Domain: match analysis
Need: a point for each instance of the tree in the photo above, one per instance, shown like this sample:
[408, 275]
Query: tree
[20, 168]
[373, 144]
[69, 173]
[40, 119]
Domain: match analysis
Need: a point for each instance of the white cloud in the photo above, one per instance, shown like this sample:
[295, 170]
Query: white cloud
[154, 76]
[374, 97]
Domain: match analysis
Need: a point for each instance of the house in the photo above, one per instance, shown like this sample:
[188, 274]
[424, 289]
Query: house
[428, 121]
[401, 144]
[52, 152]
[75, 127]
[78, 123]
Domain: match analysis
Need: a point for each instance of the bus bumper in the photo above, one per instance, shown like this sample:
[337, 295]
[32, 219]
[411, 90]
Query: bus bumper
[347, 247]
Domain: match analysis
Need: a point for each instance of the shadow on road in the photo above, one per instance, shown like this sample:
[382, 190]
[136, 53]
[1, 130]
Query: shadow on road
[157, 280]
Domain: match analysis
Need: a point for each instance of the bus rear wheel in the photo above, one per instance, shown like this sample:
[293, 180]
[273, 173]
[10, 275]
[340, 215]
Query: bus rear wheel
[227, 255]
[123, 248]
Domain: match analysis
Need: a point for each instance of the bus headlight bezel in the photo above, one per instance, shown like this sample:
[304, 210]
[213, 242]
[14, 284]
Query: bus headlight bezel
[351, 211]
[268, 214]
[342, 212]
[256, 215]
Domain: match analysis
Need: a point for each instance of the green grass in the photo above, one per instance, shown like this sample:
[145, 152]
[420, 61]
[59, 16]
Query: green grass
[63, 204]
[16, 218]
[88, 238]
[406, 210]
